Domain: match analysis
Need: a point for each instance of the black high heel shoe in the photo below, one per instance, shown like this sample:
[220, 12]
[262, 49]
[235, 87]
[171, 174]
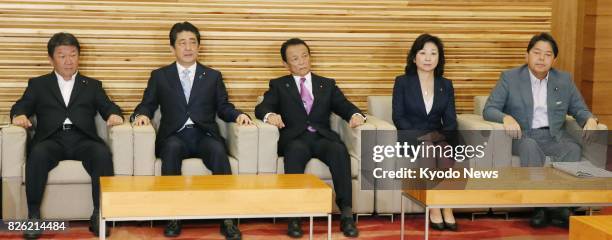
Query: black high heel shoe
[450, 226]
[436, 226]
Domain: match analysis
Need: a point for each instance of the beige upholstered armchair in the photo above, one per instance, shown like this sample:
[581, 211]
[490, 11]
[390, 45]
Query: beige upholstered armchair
[241, 142]
[68, 191]
[270, 162]
[388, 201]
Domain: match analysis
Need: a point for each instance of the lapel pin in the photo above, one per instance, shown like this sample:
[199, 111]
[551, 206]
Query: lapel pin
[556, 89]
[286, 84]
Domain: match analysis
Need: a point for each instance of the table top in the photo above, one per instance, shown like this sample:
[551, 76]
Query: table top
[601, 223]
[212, 182]
[517, 186]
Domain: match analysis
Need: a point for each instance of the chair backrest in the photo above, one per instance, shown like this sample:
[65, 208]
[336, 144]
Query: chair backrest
[479, 103]
[101, 127]
[380, 107]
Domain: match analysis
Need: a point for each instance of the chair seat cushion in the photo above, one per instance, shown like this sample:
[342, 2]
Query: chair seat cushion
[66, 172]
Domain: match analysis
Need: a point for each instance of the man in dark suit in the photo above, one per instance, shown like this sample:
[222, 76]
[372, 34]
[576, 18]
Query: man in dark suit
[300, 105]
[189, 96]
[65, 104]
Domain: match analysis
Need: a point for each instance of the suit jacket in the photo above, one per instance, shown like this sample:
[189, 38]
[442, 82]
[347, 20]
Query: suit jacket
[43, 98]
[409, 108]
[208, 98]
[284, 98]
[512, 95]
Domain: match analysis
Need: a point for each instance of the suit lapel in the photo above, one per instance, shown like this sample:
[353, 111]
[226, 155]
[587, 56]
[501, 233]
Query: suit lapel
[54, 86]
[527, 94]
[417, 92]
[438, 92]
[198, 79]
[551, 94]
[79, 83]
[173, 80]
[317, 87]
[293, 90]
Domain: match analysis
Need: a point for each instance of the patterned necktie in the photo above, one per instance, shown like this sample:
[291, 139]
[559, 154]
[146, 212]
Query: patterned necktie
[186, 83]
[306, 99]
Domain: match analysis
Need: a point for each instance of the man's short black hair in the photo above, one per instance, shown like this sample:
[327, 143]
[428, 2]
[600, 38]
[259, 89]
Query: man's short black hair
[181, 27]
[546, 38]
[291, 42]
[62, 39]
[418, 45]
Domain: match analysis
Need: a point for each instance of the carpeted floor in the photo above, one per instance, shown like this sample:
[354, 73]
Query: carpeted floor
[371, 228]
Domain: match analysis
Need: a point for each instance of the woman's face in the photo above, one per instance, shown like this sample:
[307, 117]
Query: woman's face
[426, 59]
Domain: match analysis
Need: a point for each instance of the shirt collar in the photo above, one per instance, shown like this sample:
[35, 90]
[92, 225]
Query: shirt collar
[60, 78]
[191, 68]
[535, 80]
[308, 77]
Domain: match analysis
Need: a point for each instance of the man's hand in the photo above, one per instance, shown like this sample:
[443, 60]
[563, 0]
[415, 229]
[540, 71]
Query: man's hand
[276, 120]
[114, 120]
[243, 119]
[356, 121]
[513, 129]
[589, 127]
[142, 120]
[22, 121]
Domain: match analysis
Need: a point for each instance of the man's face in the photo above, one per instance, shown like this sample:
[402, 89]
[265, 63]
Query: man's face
[298, 60]
[186, 48]
[540, 59]
[65, 60]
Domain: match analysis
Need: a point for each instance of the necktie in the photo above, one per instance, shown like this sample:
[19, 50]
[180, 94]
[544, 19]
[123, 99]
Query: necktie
[186, 83]
[306, 99]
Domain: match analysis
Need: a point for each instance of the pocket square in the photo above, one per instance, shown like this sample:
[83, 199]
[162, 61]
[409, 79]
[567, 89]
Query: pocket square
[559, 102]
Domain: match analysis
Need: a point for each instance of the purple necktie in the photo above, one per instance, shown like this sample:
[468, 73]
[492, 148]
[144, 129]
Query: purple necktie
[306, 99]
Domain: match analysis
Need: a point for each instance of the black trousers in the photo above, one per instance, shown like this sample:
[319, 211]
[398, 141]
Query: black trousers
[334, 154]
[193, 142]
[65, 144]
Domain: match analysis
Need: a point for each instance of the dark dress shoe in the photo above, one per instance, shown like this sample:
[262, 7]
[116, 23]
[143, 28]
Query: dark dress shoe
[539, 218]
[173, 229]
[436, 225]
[294, 228]
[31, 233]
[94, 225]
[230, 230]
[348, 227]
[559, 217]
[450, 226]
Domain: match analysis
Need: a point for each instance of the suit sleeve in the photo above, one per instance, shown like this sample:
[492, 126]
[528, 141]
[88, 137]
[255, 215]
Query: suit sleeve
[497, 100]
[340, 105]
[398, 107]
[149, 101]
[577, 108]
[105, 106]
[225, 109]
[26, 104]
[269, 103]
[449, 118]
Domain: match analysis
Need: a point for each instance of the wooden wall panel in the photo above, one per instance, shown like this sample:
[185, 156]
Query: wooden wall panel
[361, 43]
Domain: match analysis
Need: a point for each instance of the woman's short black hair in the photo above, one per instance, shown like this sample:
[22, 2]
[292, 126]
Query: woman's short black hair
[417, 46]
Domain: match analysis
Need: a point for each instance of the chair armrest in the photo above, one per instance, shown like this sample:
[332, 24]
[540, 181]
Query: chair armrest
[242, 143]
[267, 147]
[596, 150]
[144, 150]
[14, 140]
[380, 124]
[120, 141]
[350, 136]
[498, 152]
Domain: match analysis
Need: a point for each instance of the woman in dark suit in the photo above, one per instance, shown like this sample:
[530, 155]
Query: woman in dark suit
[424, 102]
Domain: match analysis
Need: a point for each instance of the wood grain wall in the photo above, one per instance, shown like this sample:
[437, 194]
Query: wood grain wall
[361, 43]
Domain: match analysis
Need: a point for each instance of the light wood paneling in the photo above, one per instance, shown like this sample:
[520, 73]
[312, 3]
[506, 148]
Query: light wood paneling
[590, 227]
[361, 43]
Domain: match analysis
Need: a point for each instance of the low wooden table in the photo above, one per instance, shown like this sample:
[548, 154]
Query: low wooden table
[126, 198]
[479, 195]
[590, 227]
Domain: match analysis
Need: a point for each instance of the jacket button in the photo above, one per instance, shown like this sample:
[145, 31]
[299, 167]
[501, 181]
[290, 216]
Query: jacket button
[188, 113]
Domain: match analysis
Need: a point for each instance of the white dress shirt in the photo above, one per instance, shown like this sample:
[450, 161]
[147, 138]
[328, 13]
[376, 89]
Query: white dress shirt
[540, 105]
[66, 87]
[192, 70]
